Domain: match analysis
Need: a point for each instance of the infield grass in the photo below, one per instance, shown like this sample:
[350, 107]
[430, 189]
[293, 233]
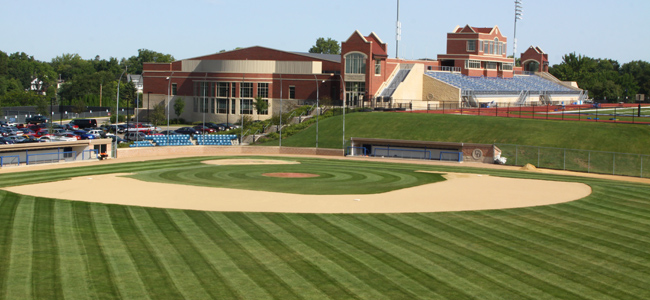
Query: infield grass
[594, 248]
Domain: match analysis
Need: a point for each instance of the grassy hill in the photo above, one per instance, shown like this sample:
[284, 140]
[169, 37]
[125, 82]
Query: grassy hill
[476, 129]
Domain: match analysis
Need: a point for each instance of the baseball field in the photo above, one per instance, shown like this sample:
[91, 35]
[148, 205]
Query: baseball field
[591, 244]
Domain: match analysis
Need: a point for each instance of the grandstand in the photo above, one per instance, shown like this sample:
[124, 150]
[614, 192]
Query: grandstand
[518, 90]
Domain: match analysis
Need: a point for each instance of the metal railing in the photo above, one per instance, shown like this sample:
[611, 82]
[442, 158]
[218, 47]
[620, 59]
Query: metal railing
[589, 161]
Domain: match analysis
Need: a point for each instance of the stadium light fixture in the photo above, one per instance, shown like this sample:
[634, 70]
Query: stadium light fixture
[519, 12]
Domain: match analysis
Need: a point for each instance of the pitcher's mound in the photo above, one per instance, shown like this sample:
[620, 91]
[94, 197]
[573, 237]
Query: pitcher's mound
[290, 175]
[528, 167]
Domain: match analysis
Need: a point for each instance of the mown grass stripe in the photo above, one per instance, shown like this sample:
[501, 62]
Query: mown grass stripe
[312, 251]
[19, 273]
[150, 270]
[374, 272]
[212, 281]
[399, 248]
[179, 271]
[631, 215]
[8, 206]
[100, 276]
[615, 242]
[46, 277]
[295, 260]
[402, 265]
[125, 274]
[425, 226]
[588, 238]
[575, 256]
[491, 286]
[598, 220]
[267, 270]
[569, 267]
[73, 271]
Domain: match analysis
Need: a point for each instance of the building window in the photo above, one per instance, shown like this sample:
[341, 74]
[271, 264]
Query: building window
[506, 67]
[471, 46]
[232, 106]
[495, 45]
[233, 90]
[246, 90]
[222, 106]
[246, 107]
[486, 47]
[292, 92]
[377, 67]
[472, 64]
[196, 104]
[263, 90]
[174, 89]
[222, 89]
[355, 63]
[211, 105]
[491, 65]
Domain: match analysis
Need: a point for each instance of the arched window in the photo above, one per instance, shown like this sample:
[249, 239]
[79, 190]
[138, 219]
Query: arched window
[496, 45]
[355, 63]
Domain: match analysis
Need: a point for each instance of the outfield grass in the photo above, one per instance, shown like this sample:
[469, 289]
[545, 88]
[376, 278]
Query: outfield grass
[594, 248]
[625, 138]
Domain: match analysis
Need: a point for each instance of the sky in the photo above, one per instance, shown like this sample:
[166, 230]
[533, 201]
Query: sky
[614, 29]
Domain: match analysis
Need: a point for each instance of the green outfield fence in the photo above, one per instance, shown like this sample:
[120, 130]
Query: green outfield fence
[614, 163]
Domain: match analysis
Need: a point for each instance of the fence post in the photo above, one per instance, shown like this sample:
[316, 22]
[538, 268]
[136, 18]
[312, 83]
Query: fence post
[564, 166]
[539, 150]
[516, 155]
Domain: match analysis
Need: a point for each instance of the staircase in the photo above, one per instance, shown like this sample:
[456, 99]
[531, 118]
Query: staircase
[399, 76]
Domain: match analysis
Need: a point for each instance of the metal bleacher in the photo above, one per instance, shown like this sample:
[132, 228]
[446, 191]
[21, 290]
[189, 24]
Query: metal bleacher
[497, 84]
[171, 140]
[215, 139]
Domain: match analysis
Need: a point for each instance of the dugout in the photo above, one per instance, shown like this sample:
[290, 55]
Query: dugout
[445, 151]
[52, 152]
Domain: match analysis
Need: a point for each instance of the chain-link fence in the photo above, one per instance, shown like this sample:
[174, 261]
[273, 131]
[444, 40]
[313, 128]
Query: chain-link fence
[20, 114]
[614, 163]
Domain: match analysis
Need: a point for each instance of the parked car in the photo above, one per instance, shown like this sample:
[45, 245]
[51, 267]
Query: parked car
[204, 129]
[187, 130]
[215, 126]
[96, 132]
[229, 126]
[3, 124]
[118, 139]
[6, 141]
[70, 126]
[134, 136]
[84, 123]
[83, 135]
[36, 120]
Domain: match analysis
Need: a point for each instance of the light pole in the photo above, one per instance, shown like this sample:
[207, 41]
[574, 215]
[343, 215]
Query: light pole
[344, 105]
[317, 106]
[280, 110]
[519, 12]
[117, 110]
[205, 81]
[169, 88]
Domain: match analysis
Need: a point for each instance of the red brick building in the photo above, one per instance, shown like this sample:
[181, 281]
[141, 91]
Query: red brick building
[534, 59]
[478, 51]
[221, 87]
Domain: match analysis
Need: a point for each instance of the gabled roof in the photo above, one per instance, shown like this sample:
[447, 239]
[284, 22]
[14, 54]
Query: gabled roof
[536, 49]
[328, 57]
[358, 33]
[470, 29]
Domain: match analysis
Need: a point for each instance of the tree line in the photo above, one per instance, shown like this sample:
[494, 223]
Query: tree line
[605, 79]
[84, 82]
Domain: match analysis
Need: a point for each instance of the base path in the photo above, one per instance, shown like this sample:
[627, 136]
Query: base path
[459, 192]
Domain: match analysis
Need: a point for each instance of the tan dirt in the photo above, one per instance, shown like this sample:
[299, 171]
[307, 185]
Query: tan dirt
[458, 193]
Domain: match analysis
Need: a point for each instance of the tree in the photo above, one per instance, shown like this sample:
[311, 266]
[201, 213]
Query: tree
[261, 106]
[79, 106]
[326, 46]
[42, 107]
[179, 106]
[144, 56]
[157, 116]
[326, 101]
